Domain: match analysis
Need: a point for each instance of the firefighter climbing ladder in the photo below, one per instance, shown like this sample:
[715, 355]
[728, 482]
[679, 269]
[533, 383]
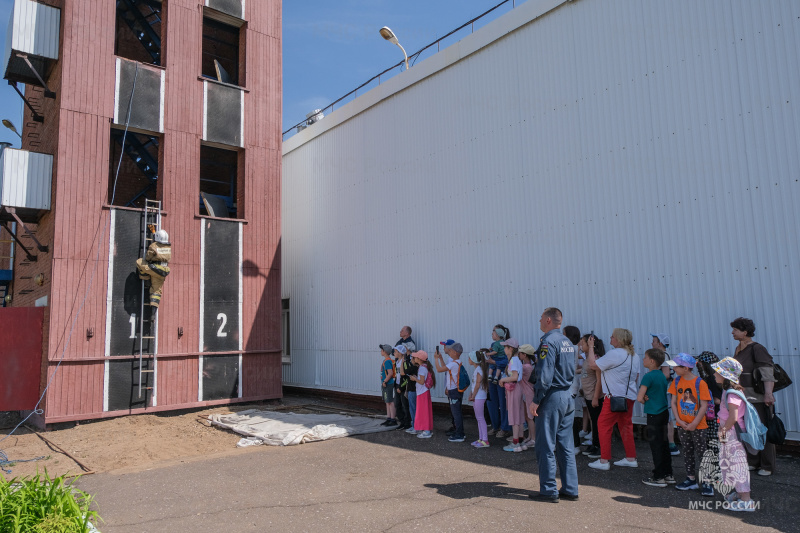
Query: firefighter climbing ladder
[151, 223]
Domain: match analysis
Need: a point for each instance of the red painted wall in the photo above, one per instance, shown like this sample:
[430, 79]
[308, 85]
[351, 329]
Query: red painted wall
[20, 357]
[81, 115]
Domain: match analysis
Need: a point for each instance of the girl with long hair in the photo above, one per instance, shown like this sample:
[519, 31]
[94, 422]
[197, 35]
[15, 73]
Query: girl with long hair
[480, 388]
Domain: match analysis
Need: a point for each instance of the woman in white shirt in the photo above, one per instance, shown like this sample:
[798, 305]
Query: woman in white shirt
[619, 373]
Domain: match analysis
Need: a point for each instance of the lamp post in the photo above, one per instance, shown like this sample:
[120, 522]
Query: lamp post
[389, 35]
[10, 125]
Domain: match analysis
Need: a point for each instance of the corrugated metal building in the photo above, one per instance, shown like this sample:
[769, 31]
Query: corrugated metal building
[197, 84]
[634, 164]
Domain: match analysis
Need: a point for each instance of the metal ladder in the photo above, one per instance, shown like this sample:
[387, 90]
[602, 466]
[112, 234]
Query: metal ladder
[151, 222]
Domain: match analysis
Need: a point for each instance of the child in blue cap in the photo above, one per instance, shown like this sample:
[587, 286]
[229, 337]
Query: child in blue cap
[690, 397]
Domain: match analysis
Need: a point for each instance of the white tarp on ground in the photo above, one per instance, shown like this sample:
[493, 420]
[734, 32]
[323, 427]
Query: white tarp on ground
[286, 429]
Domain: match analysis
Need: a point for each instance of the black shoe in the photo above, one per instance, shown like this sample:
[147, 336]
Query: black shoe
[386, 422]
[391, 423]
[450, 432]
[565, 496]
[593, 452]
[539, 497]
[402, 427]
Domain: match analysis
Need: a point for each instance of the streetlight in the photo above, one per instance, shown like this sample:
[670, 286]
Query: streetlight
[10, 125]
[389, 35]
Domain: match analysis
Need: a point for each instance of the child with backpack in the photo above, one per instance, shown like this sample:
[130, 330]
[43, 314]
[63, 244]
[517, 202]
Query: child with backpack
[514, 403]
[690, 399]
[387, 384]
[735, 415]
[425, 380]
[480, 386]
[456, 382]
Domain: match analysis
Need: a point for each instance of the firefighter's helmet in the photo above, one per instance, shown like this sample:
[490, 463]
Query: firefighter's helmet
[162, 237]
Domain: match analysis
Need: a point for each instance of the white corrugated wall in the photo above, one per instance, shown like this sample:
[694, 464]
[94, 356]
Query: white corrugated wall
[634, 164]
[35, 28]
[26, 179]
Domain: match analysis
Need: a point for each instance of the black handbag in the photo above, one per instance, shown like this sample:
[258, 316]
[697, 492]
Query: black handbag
[619, 404]
[782, 380]
[776, 432]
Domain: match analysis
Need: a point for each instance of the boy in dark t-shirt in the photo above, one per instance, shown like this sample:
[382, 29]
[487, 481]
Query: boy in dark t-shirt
[653, 394]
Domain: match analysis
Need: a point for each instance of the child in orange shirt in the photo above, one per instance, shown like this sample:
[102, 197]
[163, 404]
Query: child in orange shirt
[690, 399]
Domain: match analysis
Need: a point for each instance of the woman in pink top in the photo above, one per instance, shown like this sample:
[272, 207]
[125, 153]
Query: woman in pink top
[526, 352]
[732, 455]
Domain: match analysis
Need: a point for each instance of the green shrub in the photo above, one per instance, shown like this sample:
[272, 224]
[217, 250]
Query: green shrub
[44, 505]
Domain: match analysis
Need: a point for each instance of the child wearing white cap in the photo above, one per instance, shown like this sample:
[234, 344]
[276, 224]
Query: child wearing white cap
[732, 455]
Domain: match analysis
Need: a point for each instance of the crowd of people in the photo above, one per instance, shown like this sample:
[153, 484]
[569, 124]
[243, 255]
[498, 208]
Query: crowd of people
[539, 389]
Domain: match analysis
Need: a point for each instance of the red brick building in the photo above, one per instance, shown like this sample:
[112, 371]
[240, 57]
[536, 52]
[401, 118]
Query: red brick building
[174, 101]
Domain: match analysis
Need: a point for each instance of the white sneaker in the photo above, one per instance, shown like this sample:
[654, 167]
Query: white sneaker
[747, 506]
[425, 435]
[577, 450]
[599, 465]
[626, 462]
[412, 431]
[763, 472]
[587, 442]
[582, 434]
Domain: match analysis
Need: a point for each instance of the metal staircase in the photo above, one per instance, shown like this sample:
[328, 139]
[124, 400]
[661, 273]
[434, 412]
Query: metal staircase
[141, 24]
[147, 164]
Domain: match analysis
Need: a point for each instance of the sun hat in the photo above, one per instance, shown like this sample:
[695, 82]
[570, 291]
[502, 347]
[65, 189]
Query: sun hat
[422, 355]
[386, 348]
[682, 359]
[729, 368]
[663, 338]
[473, 356]
[401, 348]
[510, 342]
[527, 349]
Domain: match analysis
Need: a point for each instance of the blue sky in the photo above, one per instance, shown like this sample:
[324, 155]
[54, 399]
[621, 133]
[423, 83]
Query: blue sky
[332, 47]
[329, 46]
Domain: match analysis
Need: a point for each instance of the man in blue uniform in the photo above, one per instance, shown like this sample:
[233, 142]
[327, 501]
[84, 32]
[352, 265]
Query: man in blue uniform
[553, 405]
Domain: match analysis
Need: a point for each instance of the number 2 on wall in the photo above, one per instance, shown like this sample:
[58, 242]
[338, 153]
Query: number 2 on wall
[224, 319]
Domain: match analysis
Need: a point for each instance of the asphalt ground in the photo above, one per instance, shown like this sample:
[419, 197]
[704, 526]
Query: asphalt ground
[396, 482]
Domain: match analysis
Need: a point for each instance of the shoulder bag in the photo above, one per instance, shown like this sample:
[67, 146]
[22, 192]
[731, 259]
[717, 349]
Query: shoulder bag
[619, 404]
[782, 380]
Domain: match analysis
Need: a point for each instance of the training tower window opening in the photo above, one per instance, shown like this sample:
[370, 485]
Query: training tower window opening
[138, 173]
[138, 33]
[223, 53]
[219, 182]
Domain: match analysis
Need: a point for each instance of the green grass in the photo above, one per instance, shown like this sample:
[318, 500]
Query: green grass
[43, 505]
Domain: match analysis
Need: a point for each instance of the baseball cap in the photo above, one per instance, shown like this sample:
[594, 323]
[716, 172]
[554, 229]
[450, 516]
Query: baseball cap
[456, 347]
[514, 343]
[386, 348]
[401, 348]
[663, 338]
[528, 349]
[682, 359]
[448, 342]
[421, 355]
